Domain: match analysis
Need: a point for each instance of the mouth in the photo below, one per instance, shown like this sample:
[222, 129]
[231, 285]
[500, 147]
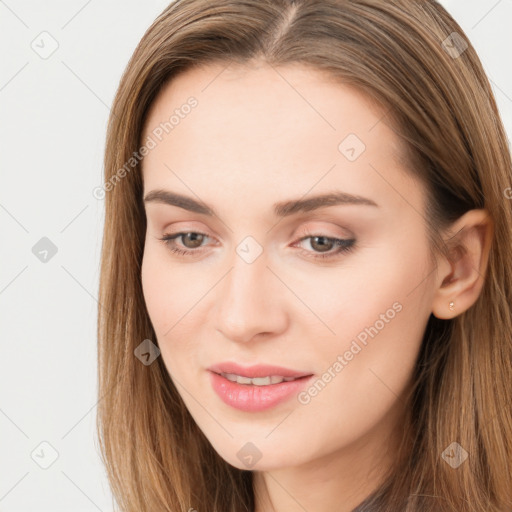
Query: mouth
[255, 394]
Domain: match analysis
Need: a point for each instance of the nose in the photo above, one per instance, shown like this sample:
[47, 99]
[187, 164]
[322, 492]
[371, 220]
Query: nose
[250, 302]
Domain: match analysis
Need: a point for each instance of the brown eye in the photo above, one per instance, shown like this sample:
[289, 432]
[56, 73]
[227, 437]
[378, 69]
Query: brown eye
[190, 242]
[194, 239]
[324, 247]
[322, 243]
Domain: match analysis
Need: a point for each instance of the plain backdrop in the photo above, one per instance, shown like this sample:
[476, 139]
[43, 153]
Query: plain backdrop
[54, 110]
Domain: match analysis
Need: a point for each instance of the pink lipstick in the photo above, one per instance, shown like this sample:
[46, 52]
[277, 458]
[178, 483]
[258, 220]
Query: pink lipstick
[256, 388]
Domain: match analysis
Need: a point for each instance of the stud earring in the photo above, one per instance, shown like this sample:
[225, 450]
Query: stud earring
[452, 305]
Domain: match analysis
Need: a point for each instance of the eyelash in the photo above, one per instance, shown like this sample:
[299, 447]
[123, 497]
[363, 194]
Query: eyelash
[343, 245]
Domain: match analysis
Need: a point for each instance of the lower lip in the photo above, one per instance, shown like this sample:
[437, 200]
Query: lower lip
[252, 398]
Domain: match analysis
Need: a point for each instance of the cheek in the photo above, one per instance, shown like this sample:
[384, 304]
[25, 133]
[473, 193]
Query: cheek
[375, 282]
[380, 299]
[169, 290]
[172, 293]
[379, 318]
[153, 275]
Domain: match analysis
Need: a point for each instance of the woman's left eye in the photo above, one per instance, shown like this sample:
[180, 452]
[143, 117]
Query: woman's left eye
[327, 244]
[330, 247]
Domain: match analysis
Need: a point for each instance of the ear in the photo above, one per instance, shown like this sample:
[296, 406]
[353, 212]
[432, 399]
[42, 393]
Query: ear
[460, 277]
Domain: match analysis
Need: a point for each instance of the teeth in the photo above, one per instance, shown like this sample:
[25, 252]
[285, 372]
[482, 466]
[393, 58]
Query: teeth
[257, 381]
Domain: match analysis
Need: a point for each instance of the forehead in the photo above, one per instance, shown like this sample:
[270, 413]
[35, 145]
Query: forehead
[255, 102]
[256, 127]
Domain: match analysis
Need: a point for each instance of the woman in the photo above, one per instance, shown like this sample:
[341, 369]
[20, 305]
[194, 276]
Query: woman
[306, 277]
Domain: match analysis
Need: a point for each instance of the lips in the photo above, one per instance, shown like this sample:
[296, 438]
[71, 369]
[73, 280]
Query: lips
[252, 398]
[260, 395]
[260, 370]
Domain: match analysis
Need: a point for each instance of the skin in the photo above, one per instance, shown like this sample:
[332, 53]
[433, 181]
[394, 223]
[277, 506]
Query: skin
[259, 136]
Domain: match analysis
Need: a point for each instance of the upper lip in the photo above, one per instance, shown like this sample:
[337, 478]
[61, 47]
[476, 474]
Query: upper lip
[259, 370]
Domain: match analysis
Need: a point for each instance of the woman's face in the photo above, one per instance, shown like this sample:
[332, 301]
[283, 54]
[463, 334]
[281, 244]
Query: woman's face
[339, 290]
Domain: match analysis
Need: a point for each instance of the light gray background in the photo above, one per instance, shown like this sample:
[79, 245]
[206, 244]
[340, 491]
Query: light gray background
[53, 119]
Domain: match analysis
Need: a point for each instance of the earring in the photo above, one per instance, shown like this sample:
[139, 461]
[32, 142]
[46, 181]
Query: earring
[452, 305]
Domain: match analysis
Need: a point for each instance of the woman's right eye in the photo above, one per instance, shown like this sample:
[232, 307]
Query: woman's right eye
[169, 241]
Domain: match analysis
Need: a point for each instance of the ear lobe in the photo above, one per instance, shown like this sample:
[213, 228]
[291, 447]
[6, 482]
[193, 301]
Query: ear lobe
[462, 274]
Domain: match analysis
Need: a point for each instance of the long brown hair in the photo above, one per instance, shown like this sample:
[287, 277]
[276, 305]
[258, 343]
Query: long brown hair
[404, 55]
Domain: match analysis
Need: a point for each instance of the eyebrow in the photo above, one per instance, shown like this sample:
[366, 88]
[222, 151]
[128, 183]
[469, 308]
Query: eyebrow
[281, 209]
